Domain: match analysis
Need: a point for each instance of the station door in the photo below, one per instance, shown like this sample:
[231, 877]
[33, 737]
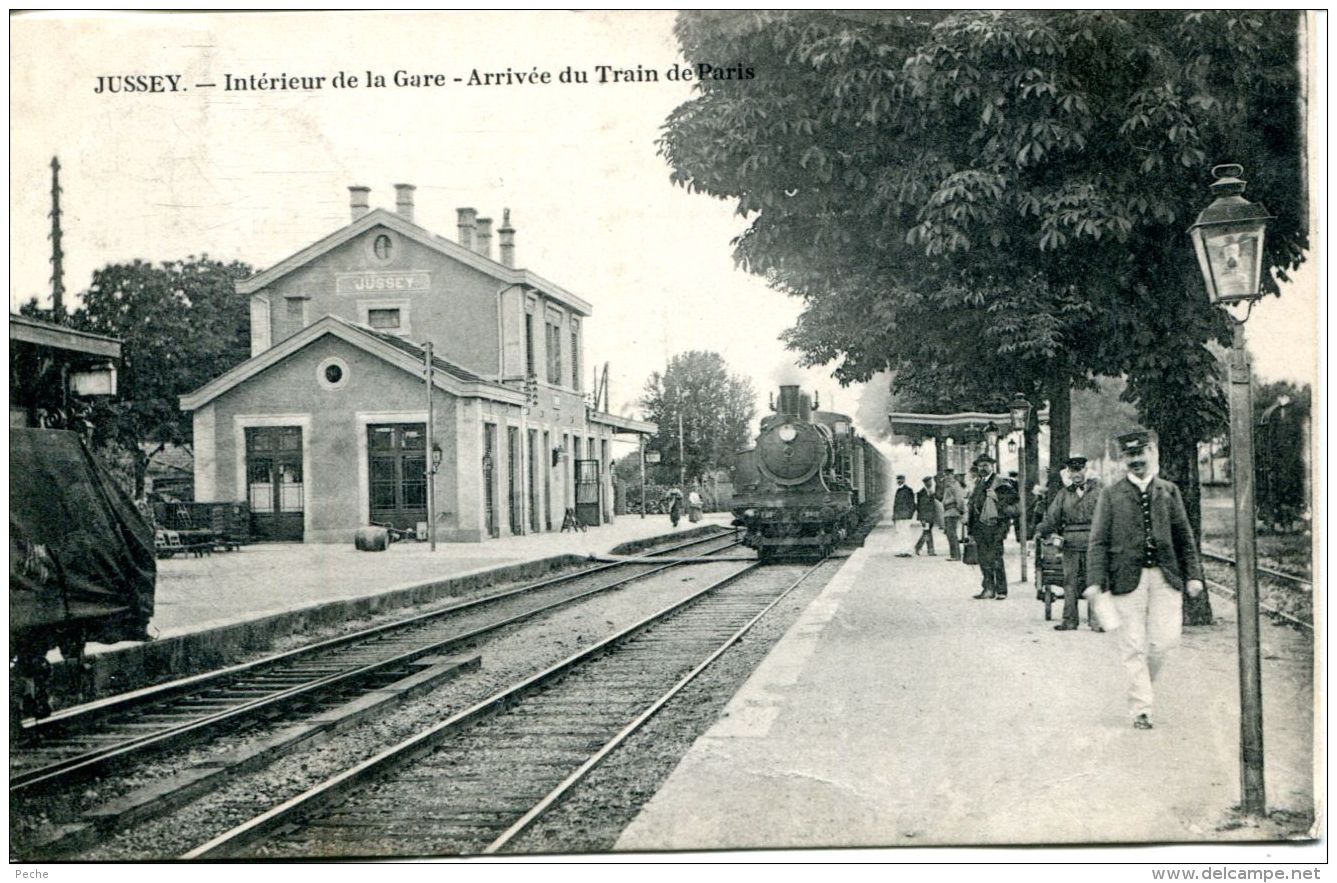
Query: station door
[397, 473]
[589, 502]
[275, 486]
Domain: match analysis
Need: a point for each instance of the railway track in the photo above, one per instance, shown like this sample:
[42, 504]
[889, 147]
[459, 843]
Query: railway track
[92, 740]
[1285, 582]
[475, 781]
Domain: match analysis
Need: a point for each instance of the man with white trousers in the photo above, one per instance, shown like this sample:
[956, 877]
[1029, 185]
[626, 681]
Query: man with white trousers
[1141, 555]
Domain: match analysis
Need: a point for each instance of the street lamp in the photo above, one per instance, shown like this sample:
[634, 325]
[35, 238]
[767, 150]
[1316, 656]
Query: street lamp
[991, 436]
[1020, 410]
[1228, 238]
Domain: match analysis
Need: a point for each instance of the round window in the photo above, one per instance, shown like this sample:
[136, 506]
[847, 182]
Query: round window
[383, 248]
[332, 373]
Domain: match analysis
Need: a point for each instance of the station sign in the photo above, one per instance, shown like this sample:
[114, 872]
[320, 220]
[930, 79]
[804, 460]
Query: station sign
[377, 283]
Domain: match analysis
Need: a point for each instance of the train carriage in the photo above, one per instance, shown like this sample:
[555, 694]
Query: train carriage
[81, 561]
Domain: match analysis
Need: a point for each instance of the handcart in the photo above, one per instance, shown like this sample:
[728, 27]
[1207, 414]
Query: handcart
[1048, 575]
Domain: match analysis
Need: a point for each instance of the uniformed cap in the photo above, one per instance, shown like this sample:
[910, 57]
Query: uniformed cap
[1076, 462]
[983, 458]
[930, 478]
[1133, 442]
[900, 478]
[949, 471]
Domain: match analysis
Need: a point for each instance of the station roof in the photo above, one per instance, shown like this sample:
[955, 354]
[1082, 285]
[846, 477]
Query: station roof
[623, 424]
[423, 236]
[399, 352]
[48, 334]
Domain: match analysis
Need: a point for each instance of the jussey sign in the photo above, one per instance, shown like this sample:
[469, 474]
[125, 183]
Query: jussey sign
[362, 283]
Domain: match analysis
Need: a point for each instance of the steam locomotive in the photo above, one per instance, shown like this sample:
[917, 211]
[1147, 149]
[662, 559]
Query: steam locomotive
[808, 482]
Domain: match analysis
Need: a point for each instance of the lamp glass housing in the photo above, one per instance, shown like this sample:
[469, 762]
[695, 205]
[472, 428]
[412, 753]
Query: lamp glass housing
[436, 455]
[1230, 257]
[1020, 410]
[1228, 240]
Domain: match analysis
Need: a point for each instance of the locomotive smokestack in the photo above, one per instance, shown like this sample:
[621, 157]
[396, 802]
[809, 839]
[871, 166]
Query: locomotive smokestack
[789, 401]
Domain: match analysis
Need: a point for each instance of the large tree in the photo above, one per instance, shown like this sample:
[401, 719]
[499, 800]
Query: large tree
[716, 411]
[181, 324]
[996, 201]
[1008, 190]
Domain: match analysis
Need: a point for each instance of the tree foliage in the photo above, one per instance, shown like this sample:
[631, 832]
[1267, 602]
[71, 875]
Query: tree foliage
[986, 202]
[716, 410]
[181, 324]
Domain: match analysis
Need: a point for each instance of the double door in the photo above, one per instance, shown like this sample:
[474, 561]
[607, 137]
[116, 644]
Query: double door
[397, 471]
[275, 485]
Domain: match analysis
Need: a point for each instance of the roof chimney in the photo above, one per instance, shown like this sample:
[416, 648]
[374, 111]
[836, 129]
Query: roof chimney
[484, 237]
[404, 200]
[506, 237]
[466, 226]
[357, 200]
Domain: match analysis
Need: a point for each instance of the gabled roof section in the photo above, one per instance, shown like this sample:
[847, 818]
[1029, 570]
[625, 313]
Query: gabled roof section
[409, 356]
[410, 230]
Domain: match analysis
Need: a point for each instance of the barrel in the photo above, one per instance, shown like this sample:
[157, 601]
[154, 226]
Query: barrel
[372, 539]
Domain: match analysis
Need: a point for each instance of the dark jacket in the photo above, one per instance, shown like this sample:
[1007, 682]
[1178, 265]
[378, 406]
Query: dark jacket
[1114, 551]
[1005, 499]
[903, 506]
[926, 507]
[1071, 515]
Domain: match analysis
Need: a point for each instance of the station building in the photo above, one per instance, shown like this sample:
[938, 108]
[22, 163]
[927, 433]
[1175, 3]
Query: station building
[323, 429]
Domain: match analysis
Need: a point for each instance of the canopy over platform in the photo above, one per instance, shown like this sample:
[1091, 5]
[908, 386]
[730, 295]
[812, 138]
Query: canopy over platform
[961, 427]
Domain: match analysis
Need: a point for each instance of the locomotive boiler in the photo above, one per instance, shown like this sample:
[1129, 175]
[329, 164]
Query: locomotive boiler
[807, 482]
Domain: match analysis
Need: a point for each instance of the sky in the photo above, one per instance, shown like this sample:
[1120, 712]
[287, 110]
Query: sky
[257, 175]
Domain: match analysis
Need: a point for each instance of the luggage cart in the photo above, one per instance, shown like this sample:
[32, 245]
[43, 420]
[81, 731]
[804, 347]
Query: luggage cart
[1048, 574]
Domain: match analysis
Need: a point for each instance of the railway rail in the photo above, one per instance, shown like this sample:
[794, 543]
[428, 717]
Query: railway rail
[93, 739]
[475, 781]
[1289, 581]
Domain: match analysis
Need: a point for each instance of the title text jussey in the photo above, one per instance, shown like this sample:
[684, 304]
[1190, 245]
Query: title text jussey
[599, 74]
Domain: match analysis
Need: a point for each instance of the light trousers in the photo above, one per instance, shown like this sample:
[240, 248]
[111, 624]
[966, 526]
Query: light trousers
[1151, 621]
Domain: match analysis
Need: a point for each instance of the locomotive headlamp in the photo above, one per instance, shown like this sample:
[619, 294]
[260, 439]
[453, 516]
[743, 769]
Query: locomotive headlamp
[1228, 237]
[788, 433]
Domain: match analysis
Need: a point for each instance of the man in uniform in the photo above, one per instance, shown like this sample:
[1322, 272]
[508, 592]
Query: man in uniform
[1068, 519]
[989, 514]
[926, 510]
[953, 504]
[1142, 551]
[903, 504]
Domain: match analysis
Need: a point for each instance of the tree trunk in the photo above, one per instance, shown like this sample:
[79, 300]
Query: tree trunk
[1179, 463]
[1060, 426]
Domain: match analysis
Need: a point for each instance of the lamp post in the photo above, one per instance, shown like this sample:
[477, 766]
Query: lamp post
[1020, 409]
[1228, 239]
[433, 448]
[642, 446]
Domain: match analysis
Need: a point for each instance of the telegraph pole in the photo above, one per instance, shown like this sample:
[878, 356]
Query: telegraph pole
[57, 256]
[428, 457]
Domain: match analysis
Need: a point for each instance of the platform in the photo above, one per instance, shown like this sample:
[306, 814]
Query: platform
[196, 594]
[214, 610]
[898, 711]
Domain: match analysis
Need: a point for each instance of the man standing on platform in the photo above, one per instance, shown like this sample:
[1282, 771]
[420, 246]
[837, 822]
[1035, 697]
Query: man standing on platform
[953, 504]
[989, 509]
[903, 504]
[926, 510]
[1068, 519]
[1143, 553]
